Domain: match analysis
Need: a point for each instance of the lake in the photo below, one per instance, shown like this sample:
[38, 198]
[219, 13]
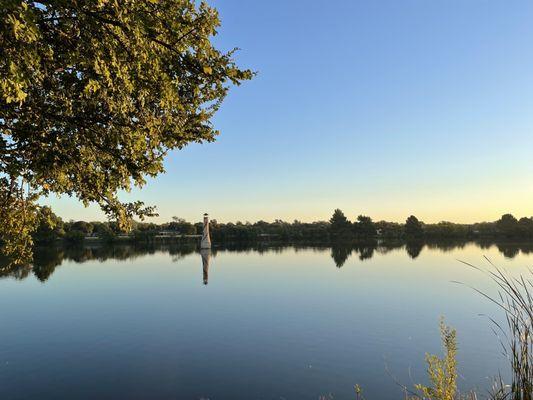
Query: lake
[167, 322]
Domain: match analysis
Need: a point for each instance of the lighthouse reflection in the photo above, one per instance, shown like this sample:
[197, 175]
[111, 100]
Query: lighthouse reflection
[206, 258]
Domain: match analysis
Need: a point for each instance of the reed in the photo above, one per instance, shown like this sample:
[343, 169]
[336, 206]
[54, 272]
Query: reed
[515, 298]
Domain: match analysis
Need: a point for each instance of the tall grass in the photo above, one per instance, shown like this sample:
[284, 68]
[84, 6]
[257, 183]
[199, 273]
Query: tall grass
[515, 298]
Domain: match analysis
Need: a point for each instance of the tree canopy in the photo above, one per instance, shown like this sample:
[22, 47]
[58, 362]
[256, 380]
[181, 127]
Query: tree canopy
[508, 225]
[413, 227]
[94, 94]
[364, 227]
[340, 225]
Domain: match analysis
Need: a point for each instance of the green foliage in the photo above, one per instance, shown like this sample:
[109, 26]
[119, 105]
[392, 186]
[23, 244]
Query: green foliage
[18, 217]
[74, 236]
[144, 235]
[507, 225]
[81, 226]
[442, 372]
[49, 226]
[94, 94]
[442, 375]
[413, 227]
[104, 231]
[340, 226]
[364, 227]
[525, 227]
[447, 230]
[390, 230]
[181, 226]
[358, 392]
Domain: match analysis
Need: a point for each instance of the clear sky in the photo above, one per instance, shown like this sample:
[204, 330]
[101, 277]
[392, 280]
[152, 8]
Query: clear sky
[387, 108]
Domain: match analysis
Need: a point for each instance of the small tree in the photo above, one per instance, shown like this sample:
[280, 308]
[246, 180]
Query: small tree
[413, 227]
[49, 226]
[442, 372]
[81, 226]
[364, 227]
[340, 226]
[507, 225]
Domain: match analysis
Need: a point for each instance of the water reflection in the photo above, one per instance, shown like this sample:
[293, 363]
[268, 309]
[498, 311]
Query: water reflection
[366, 249]
[510, 250]
[206, 258]
[414, 248]
[47, 259]
[340, 254]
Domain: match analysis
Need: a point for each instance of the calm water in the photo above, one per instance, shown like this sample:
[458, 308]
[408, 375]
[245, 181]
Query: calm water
[278, 323]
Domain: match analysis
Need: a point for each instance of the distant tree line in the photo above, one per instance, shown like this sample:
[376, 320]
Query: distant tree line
[338, 229]
[507, 227]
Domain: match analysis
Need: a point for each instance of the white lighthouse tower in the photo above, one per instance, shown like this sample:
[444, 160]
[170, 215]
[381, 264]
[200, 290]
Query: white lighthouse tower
[206, 240]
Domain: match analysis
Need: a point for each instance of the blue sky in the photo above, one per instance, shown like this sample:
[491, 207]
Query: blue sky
[387, 108]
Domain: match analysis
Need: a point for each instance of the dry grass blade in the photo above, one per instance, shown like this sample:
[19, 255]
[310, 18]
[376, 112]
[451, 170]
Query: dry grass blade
[515, 297]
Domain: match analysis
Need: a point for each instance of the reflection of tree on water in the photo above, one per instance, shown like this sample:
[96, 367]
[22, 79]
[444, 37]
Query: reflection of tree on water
[526, 249]
[414, 248]
[206, 258]
[387, 246]
[47, 259]
[366, 249]
[445, 245]
[340, 254]
[14, 271]
[509, 250]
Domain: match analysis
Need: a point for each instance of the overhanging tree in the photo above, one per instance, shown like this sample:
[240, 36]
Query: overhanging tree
[94, 94]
